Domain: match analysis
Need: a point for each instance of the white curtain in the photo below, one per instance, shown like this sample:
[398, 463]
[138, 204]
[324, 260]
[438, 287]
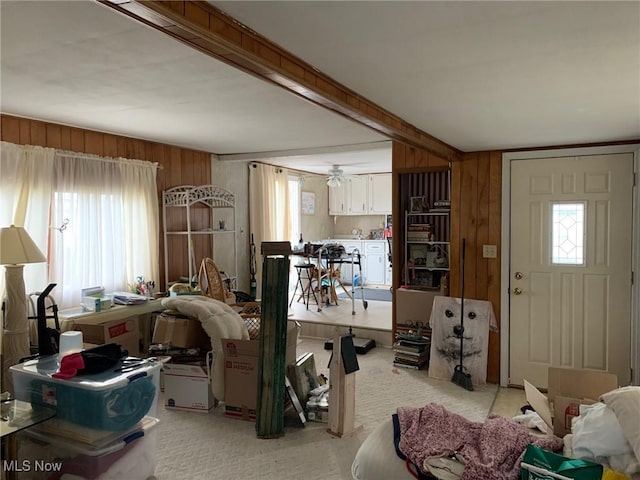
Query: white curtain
[25, 188]
[112, 236]
[26, 174]
[268, 208]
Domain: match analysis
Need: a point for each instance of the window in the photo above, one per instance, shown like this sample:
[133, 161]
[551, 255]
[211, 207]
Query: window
[112, 235]
[567, 233]
[294, 209]
[111, 205]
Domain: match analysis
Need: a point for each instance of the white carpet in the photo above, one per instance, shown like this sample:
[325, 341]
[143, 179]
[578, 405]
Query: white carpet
[212, 446]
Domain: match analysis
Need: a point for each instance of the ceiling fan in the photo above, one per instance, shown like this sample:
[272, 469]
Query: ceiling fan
[335, 177]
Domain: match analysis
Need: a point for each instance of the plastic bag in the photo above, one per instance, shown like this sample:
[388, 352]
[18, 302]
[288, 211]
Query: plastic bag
[539, 464]
[531, 419]
[597, 433]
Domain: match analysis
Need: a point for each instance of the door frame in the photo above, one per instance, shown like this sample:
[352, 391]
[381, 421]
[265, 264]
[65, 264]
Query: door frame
[507, 158]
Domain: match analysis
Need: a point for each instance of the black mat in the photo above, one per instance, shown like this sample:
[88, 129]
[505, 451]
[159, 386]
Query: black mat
[375, 294]
[361, 345]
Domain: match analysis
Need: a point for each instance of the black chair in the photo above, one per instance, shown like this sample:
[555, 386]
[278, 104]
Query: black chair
[309, 269]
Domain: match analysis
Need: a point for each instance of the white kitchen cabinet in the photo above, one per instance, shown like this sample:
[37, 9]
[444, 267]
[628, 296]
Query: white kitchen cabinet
[388, 276]
[375, 262]
[380, 194]
[345, 269]
[357, 192]
[338, 199]
[351, 197]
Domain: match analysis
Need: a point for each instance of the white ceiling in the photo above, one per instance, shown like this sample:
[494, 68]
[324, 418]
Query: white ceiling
[477, 75]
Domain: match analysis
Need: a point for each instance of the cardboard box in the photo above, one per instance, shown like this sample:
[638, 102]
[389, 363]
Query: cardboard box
[568, 388]
[124, 332]
[180, 331]
[187, 387]
[241, 373]
[318, 414]
[414, 305]
[241, 378]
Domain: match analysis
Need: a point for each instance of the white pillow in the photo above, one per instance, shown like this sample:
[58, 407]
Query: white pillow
[377, 459]
[625, 403]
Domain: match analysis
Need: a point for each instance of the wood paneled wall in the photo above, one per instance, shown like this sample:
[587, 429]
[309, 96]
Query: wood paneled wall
[476, 200]
[179, 166]
[477, 217]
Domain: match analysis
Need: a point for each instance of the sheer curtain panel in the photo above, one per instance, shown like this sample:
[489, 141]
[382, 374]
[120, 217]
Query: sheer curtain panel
[112, 235]
[25, 190]
[268, 207]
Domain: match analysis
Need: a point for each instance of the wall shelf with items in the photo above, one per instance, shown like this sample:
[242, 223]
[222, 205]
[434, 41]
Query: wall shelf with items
[426, 255]
[208, 218]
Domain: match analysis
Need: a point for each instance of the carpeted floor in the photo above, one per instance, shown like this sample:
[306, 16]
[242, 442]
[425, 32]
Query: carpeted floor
[210, 446]
[377, 294]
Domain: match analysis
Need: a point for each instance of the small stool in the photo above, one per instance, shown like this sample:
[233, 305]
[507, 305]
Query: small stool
[308, 268]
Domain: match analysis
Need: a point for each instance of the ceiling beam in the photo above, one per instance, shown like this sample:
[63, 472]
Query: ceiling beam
[208, 29]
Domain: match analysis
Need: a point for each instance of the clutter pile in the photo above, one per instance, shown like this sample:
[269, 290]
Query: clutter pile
[105, 404]
[411, 349]
[318, 404]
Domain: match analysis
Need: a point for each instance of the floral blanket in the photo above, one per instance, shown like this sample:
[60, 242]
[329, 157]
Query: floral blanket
[491, 450]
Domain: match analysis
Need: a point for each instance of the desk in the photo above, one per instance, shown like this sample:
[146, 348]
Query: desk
[18, 415]
[117, 312]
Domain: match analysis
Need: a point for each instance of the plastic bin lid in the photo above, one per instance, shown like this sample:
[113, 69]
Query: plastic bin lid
[47, 365]
[108, 444]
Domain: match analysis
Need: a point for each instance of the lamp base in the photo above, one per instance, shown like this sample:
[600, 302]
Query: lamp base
[15, 338]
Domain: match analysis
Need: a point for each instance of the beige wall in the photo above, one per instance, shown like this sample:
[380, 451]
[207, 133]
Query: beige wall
[346, 223]
[320, 225]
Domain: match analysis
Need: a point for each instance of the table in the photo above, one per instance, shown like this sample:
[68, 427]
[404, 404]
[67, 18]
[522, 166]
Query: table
[328, 271]
[18, 415]
[117, 312]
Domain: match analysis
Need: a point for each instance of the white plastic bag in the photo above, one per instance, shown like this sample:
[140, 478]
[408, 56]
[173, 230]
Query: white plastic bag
[597, 433]
[531, 419]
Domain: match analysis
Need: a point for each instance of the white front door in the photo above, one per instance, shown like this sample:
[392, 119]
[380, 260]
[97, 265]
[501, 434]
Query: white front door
[570, 266]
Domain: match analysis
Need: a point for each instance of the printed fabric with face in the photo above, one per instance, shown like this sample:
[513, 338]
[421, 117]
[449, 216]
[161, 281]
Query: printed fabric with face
[448, 328]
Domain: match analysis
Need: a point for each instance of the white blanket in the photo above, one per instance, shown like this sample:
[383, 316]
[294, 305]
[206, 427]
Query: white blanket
[608, 431]
[220, 321]
[625, 403]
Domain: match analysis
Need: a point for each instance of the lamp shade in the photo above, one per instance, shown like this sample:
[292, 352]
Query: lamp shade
[16, 247]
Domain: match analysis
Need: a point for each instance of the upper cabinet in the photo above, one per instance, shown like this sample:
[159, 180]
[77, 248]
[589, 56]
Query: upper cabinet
[357, 194]
[361, 195]
[380, 194]
[338, 199]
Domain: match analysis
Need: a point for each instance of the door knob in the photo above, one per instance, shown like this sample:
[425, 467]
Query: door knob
[517, 291]
[518, 275]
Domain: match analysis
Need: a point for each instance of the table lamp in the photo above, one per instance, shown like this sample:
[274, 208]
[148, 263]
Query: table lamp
[16, 249]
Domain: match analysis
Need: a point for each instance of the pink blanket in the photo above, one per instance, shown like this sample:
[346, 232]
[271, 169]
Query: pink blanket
[491, 450]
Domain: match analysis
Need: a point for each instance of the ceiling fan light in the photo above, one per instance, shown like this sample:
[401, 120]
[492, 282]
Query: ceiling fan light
[333, 182]
[336, 171]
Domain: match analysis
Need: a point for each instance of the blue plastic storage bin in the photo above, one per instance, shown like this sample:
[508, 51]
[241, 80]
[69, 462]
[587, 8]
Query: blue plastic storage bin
[110, 400]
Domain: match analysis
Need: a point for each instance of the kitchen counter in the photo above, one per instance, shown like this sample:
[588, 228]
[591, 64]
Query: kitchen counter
[340, 238]
[375, 268]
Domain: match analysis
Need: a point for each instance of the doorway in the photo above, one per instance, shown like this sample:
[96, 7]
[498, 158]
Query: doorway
[568, 257]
